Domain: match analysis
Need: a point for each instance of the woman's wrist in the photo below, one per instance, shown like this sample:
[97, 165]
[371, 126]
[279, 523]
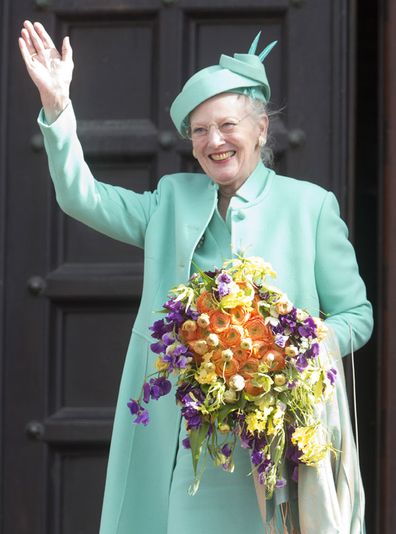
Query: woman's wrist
[53, 106]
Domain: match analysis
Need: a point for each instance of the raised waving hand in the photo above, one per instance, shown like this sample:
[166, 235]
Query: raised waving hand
[50, 70]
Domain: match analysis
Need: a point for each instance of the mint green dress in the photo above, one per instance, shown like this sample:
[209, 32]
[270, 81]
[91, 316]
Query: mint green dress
[225, 502]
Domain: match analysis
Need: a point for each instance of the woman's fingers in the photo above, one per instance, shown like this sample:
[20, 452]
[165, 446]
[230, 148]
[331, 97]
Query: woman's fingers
[46, 39]
[34, 37]
[25, 51]
[67, 52]
[28, 43]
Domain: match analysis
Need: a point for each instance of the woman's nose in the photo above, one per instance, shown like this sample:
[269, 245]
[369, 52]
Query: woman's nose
[215, 137]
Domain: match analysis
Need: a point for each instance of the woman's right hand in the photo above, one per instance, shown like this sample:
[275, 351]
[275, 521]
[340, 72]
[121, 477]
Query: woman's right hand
[50, 71]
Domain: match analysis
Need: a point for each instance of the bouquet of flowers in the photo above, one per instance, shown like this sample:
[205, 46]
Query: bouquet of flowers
[247, 367]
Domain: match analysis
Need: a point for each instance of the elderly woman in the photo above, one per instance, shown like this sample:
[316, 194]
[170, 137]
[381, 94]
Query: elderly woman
[237, 205]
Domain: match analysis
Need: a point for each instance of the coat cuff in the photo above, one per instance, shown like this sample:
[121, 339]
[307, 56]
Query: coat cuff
[61, 128]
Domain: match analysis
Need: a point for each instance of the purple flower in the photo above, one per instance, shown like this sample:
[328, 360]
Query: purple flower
[313, 351]
[146, 392]
[226, 450]
[259, 442]
[278, 329]
[332, 375]
[159, 387]
[257, 457]
[182, 391]
[280, 340]
[159, 328]
[186, 443]
[224, 278]
[292, 384]
[308, 328]
[179, 350]
[168, 339]
[191, 314]
[280, 483]
[173, 305]
[176, 309]
[181, 362]
[246, 437]
[133, 406]
[175, 317]
[289, 320]
[223, 289]
[142, 416]
[192, 417]
[301, 363]
[158, 348]
[170, 359]
[264, 466]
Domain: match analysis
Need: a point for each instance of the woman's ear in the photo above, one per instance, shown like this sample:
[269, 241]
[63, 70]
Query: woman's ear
[263, 125]
[193, 153]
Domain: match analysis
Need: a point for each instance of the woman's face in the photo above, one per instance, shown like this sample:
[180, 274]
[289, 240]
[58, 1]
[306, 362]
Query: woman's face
[228, 158]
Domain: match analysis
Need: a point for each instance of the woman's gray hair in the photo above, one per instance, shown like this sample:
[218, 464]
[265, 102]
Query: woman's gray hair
[259, 108]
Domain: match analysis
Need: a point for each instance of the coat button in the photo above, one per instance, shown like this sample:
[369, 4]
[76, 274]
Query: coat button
[201, 241]
[239, 215]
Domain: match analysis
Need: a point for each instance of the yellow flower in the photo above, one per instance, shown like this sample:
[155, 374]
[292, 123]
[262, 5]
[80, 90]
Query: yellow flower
[161, 365]
[205, 376]
[238, 296]
[257, 420]
[309, 442]
[275, 421]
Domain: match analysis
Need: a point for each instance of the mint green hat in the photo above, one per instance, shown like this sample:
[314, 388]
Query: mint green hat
[232, 74]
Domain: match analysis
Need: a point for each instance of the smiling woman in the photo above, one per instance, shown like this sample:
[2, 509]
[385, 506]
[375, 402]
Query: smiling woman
[227, 140]
[236, 204]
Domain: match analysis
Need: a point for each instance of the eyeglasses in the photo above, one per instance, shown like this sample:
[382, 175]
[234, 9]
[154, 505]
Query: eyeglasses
[226, 127]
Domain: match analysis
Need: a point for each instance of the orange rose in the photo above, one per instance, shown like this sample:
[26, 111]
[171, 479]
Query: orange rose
[251, 389]
[226, 368]
[219, 321]
[232, 336]
[205, 302]
[242, 355]
[260, 349]
[259, 330]
[249, 367]
[239, 315]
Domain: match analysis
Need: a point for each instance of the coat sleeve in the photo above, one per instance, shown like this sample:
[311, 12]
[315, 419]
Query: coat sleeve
[114, 211]
[341, 290]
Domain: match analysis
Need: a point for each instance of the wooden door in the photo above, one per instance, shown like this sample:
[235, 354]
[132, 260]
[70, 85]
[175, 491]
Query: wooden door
[70, 295]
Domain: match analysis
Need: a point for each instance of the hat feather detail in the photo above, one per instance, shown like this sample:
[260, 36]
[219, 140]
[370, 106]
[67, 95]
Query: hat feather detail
[253, 46]
[267, 50]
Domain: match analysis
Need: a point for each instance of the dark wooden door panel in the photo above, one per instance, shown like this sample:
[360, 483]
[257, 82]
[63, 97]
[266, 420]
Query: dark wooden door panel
[72, 294]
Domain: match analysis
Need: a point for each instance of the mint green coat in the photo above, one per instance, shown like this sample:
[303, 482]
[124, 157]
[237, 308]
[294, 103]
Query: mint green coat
[295, 225]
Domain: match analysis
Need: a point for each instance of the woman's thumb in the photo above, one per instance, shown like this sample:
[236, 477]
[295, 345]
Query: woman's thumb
[67, 52]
